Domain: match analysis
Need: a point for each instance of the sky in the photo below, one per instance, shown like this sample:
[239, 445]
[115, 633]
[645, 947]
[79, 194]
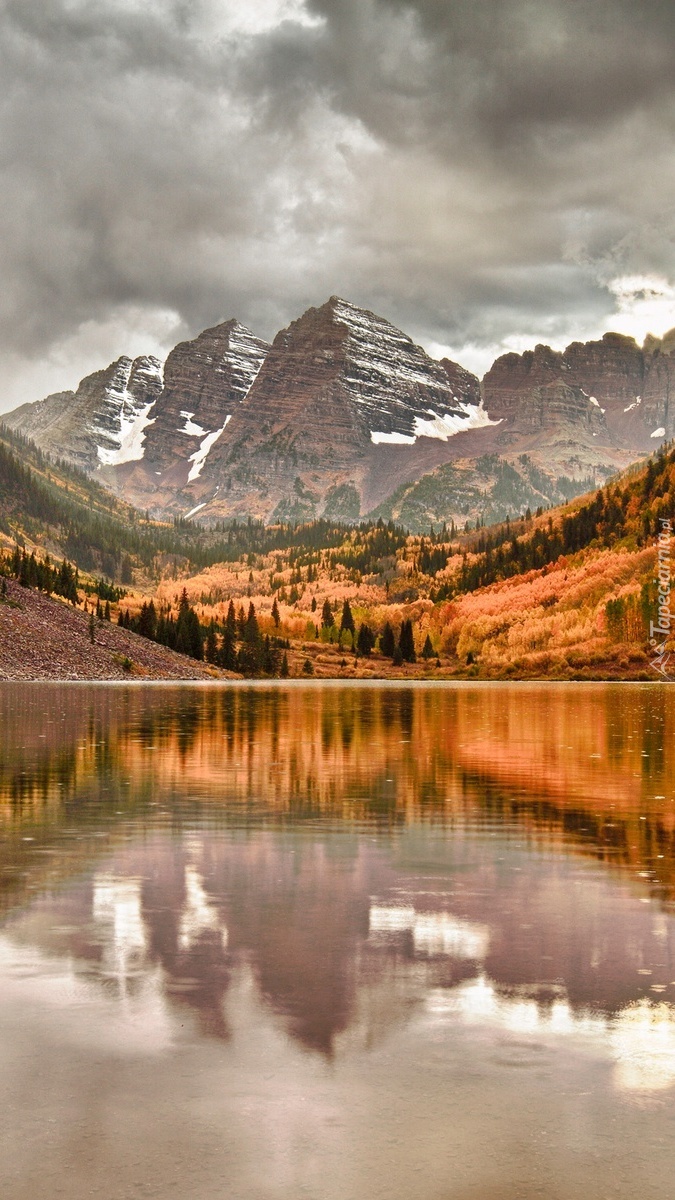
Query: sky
[487, 174]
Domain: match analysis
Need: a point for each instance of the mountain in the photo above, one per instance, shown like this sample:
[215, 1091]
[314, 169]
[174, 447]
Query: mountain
[630, 387]
[205, 381]
[102, 423]
[339, 390]
[344, 416]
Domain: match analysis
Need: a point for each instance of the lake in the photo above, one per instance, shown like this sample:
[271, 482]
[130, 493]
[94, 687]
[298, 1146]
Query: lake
[268, 942]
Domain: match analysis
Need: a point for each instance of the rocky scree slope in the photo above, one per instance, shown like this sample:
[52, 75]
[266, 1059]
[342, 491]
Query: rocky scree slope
[43, 638]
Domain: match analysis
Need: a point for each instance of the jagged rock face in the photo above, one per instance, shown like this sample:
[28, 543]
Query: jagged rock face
[555, 406]
[123, 414]
[630, 384]
[337, 382]
[342, 412]
[205, 379]
[102, 422]
[465, 386]
[658, 396]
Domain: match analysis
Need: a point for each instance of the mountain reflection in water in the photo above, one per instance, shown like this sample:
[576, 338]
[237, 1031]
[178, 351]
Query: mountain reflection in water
[355, 865]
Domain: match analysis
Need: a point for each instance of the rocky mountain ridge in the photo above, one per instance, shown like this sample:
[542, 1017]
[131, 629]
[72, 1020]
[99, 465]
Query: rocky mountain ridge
[629, 384]
[101, 424]
[343, 412]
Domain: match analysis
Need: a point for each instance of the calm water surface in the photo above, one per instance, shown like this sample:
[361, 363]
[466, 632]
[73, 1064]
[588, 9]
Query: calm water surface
[341, 943]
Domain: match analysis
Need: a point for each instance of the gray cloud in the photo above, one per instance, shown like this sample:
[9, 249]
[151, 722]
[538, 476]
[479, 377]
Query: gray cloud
[477, 171]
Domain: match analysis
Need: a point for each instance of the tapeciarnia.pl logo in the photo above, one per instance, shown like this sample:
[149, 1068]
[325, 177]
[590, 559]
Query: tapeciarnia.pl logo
[659, 632]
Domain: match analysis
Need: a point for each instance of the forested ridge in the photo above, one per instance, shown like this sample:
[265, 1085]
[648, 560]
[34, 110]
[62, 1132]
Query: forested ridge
[564, 586]
[45, 500]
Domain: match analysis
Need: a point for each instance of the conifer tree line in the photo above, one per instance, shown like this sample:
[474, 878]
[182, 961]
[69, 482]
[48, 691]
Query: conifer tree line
[236, 645]
[100, 532]
[399, 647]
[54, 579]
[58, 579]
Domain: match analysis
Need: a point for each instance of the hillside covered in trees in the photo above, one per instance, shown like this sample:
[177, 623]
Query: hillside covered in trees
[566, 592]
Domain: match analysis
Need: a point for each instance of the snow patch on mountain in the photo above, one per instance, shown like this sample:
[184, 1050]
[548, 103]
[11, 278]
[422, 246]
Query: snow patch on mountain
[442, 427]
[194, 510]
[191, 427]
[660, 432]
[392, 439]
[199, 457]
[123, 414]
[131, 437]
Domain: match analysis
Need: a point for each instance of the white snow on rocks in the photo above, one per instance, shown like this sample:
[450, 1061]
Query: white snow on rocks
[637, 400]
[246, 355]
[402, 393]
[392, 439]
[593, 401]
[191, 427]
[660, 432]
[194, 510]
[123, 417]
[471, 416]
[132, 437]
[199, 457]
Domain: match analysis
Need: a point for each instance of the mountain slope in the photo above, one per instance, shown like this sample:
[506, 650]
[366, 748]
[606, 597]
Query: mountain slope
[568, 593]
[344, 416]
[43, 638]
[630, 386]
[337, 384]
[205, 381]
[102, 423]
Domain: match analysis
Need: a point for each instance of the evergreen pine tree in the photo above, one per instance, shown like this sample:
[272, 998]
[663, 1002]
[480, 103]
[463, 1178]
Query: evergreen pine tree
[406, 642]
[241, 621]
[275, 614]
[211, 644]
[231, 621]
[271, 658]
[250, 657]
[365, 640]
[327, 618]
[387, 641]
[347, 620]
[227, 655]
[427, 649]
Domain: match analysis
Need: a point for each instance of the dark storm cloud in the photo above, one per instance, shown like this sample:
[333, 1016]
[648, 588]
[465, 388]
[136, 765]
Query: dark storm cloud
[474, 170]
